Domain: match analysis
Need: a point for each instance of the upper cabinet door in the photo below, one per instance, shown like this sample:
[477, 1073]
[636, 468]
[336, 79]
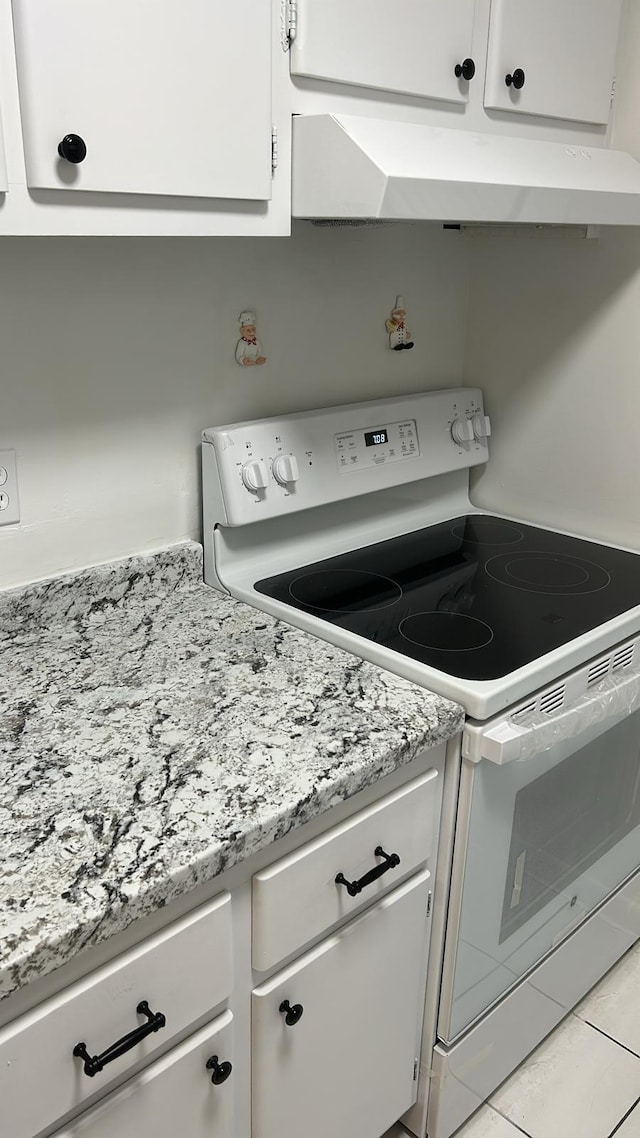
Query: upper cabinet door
[164, 96]
[553, 57]
[410, 46]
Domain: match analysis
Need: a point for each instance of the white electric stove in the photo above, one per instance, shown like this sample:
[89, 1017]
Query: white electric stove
[355, 524]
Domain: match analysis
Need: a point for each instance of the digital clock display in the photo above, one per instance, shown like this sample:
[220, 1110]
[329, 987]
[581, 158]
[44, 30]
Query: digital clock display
[376, 438]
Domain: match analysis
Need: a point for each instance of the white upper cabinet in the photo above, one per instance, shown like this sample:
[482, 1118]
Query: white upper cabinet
[409, 46]
[553, 57]
[169, 97]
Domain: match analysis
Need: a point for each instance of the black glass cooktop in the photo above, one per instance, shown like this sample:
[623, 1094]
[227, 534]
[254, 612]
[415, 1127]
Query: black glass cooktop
[476, 597]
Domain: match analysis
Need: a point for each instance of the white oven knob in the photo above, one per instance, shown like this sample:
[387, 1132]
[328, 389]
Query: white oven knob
[285, 469]
[462, 431]
[481, 426]
[255, 474]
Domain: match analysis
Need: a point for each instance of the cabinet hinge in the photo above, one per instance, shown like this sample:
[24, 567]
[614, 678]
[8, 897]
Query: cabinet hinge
[288, 22]
[429, 897]
[274, 150]
[415, 1070]
[613, 88]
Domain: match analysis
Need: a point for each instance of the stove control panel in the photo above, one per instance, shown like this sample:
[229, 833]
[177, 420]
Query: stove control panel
[269, 468]
[375, 445]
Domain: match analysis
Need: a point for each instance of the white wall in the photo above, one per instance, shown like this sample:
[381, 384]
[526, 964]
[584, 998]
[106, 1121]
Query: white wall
[554, 339]
[116, 353]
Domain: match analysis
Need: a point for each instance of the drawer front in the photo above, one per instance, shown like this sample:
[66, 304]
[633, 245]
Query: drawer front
[182, 972]
[346, 1062]
[173, 1097]
[298, 898]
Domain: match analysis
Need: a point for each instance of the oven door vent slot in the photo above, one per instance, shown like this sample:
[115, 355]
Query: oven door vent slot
[527, 710]
[545, 704]
[551, 701]
[620, 659]
[623, 657]
[598, 670]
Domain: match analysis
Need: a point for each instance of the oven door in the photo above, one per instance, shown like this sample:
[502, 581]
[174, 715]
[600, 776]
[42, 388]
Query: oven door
[548, 827]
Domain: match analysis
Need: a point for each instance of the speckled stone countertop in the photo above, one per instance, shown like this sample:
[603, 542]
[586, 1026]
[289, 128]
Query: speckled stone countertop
[154, 732]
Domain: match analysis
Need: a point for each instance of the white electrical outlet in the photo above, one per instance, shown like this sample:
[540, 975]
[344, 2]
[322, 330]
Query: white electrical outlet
[9, 504]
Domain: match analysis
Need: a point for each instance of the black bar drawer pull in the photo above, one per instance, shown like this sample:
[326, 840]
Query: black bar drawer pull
[95, 1063]
[355, 887]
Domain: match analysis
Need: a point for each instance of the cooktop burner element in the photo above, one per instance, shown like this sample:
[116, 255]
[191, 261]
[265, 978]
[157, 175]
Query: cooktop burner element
[553, 573]
[446, 631]
[452, 596]
[345, 590]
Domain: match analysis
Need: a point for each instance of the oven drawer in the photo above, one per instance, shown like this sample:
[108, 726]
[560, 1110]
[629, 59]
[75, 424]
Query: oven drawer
[183, 972]
[298, 898]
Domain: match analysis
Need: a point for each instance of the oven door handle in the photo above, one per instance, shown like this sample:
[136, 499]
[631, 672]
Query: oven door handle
[513, 739]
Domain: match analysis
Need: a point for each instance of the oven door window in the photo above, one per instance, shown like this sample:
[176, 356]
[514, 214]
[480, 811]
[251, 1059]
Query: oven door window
[544, 842]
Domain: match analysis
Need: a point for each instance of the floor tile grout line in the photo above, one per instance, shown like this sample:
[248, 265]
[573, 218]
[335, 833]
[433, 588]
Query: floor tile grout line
[625, 1117]
[607, 1036]
[510, 1120]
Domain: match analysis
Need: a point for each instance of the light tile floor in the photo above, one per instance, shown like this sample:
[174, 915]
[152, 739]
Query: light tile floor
[581, 1082]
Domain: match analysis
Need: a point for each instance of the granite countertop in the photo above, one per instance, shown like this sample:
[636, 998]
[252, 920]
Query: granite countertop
[154, 732]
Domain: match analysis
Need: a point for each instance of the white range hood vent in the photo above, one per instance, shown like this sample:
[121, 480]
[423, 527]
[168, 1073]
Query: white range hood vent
[345, 167]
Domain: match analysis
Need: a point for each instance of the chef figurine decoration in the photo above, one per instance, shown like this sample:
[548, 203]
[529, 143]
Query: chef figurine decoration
[399, 334]
[248, 348]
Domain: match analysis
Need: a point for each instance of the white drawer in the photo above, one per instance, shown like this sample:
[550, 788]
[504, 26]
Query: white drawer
[298, 898]
[182, 972]
[174, 1096]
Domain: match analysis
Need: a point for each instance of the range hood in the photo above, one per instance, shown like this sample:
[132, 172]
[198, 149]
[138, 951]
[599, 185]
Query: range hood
[345, 167]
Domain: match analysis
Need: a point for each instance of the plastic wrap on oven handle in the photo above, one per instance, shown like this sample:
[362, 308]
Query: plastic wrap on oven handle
[519, 740]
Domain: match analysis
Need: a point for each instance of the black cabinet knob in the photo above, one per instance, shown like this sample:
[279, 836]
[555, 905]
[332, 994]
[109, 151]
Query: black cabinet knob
[465, 70]
[221, 1071]
[292, 1015]
[73, 148]
[516, 80]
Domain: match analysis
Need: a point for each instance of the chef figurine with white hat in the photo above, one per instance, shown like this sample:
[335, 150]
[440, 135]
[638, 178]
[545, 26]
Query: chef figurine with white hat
[248, 348]
[399, 334]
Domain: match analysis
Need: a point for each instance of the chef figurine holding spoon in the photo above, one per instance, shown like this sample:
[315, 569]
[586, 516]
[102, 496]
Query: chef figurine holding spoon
[399, 334]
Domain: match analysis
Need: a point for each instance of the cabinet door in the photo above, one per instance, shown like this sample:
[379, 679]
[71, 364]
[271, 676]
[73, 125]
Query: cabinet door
[169, 96]
[567, 51]
[347, 1066]
[174, 1098]
[411, 46]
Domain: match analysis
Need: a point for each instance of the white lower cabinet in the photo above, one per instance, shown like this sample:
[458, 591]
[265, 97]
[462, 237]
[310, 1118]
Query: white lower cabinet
[327, 1046]
[142, 998]
[174, 1097]
[347, 1062]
